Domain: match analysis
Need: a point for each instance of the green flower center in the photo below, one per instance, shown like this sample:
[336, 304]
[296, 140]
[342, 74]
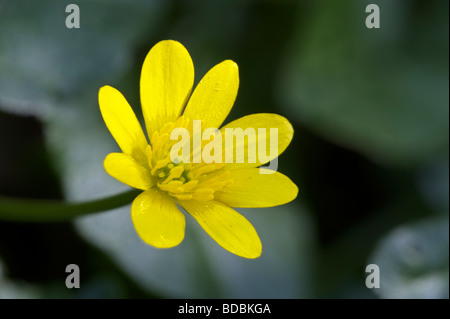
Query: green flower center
[174, 171]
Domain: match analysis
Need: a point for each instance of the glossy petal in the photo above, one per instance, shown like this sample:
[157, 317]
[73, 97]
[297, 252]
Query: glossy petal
[157, 219]
[227, 227]
[127, 170]
[166, 83]
[250, 188]
[214, 96]
[122, 123]
[251, 124]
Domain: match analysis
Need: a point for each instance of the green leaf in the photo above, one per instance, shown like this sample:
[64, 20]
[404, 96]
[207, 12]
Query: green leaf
[433, 182]
[16, 290]
[55, 73]
[414, 261]
[382, 92]
[44, 64]
[199, 268]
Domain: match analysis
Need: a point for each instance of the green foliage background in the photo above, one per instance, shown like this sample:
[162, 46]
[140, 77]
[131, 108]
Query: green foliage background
[370, 108]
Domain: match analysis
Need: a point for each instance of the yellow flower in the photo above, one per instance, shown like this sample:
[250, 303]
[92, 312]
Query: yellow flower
[205, 191]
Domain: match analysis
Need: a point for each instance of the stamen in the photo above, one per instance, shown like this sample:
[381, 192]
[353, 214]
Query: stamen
[189, 185]
[167, 128]
[182, 196]
[206, 169]
[174, 173]
[149, 153]
[183, 181]
[160, 164]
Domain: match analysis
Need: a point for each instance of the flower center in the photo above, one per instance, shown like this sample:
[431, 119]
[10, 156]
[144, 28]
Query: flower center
[184, 181]
[173, 172]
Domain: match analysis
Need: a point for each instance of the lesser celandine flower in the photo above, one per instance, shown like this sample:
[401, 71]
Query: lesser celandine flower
[207, 191]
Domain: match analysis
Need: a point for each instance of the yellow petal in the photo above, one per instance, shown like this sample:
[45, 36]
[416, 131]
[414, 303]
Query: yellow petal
[226, 226]
[214, 96]
[250, 188]
[127, 170]
[157, 219]
[122, 123]
[253, 125]
[166, 83]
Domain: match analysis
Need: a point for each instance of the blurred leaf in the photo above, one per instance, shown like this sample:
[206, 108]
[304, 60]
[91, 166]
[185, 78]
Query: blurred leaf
[433, 182]
[15, 290]
[285, 268]
[347, 255]
[54, 73]
[199, 268]
[414, 261]
[383, 92]
[43, 63]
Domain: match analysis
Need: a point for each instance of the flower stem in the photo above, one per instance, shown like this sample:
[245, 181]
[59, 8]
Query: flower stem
[35, 210]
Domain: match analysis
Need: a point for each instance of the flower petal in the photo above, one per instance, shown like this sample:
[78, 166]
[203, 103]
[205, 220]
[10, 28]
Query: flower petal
[250, 188]
[157, 219]
[122, 123]
[226, 226]
[254, 124]
[214, 96]
[127, 170]
[166, 82]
